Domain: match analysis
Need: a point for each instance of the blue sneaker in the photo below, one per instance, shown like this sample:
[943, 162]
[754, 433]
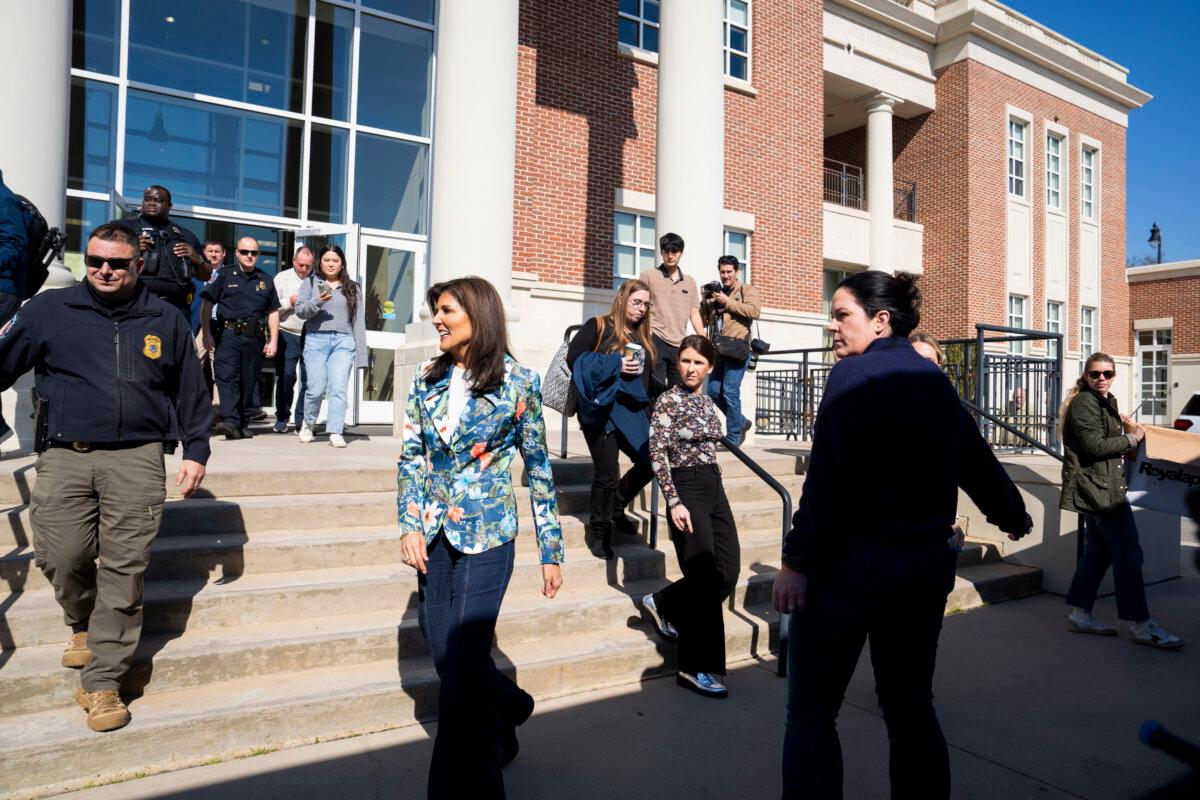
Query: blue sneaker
[281, 426]
[703, 683]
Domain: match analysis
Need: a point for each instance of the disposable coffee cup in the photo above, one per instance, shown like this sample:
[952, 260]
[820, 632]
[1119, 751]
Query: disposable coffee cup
[633, 350]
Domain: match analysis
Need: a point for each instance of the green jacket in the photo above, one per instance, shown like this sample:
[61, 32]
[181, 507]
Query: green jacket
[1094, 441]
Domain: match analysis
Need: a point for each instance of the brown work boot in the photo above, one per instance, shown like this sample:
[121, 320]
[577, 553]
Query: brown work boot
[77, 654]
[105, 710]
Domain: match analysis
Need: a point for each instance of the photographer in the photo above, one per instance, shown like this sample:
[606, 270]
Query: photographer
[728, 310]
[171, 252]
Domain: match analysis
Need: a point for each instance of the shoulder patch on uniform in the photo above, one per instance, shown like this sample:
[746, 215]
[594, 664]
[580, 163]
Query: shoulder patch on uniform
[152, 347]
[262, 286]
[8, 326]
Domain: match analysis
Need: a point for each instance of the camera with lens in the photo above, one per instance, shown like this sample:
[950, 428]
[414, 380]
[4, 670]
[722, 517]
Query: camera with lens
[711, 288]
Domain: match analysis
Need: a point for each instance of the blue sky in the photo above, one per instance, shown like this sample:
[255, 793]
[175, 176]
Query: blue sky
[1157, 41]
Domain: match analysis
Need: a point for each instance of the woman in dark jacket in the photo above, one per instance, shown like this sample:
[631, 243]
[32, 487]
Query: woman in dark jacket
[1095, 436]
[626, 324]
[869, 553]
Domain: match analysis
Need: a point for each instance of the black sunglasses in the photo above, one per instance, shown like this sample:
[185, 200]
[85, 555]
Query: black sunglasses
[1106, 374]
[96, 262]
[247, 252]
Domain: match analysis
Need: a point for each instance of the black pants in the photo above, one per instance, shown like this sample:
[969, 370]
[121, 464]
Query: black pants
[610, 495]
[666, 364]
[897, 598]
[289, 363]
[238, 360]
[710, 558]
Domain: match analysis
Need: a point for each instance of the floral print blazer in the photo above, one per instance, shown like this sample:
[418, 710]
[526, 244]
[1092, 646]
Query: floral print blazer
[457, 482]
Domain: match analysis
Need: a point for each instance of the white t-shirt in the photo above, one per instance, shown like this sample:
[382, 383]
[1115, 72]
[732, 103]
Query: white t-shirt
[460, 394]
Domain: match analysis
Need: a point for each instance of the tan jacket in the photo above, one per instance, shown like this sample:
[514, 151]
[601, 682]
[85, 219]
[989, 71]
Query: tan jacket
[743, 307]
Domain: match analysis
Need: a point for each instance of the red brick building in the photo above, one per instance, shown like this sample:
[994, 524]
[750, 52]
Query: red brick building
[1164, 312]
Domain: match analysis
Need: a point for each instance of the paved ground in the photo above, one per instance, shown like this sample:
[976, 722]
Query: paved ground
[1030, 711]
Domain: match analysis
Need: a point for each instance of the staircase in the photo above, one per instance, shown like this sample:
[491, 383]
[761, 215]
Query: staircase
[277, 613]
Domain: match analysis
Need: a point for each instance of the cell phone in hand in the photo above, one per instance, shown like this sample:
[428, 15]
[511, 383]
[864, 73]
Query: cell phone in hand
[324, 288]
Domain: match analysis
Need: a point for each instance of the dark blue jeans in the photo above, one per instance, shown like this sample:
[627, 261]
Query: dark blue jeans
[1111, 538]
[288, 362]
[725, 388]
[460, 600]
[897, 598]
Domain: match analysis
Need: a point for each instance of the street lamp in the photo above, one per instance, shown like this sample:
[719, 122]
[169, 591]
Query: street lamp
[1156, 239]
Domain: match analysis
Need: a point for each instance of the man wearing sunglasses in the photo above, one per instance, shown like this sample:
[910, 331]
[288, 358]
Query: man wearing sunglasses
[171, 252]
[246, 330]
[116, 365]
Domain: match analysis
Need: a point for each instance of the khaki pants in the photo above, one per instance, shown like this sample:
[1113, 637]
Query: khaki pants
[105, 504]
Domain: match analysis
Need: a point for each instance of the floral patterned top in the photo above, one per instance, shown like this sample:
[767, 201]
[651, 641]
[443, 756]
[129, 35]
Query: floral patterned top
[684, 431]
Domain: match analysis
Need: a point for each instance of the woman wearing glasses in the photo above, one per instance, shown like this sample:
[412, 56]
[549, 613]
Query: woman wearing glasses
[619, 350]
[1095, 437]
[335, 340]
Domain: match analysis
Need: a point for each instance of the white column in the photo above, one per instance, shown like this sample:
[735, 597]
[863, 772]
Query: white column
[474, 142]
[690, 185]
[36, 60]
[879, 181]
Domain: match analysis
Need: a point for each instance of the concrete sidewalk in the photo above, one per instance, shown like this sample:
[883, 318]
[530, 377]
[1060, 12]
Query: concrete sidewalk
[1030, 711]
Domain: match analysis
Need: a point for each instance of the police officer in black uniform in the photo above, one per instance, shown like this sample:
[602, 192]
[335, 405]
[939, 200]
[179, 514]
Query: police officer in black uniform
[247, 316]
[171, 252]
[117, 367]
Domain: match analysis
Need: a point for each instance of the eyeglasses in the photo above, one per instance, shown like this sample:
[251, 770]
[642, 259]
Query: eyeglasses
[639, 303]
[117, 264]
[247, 252]
[1106, 374]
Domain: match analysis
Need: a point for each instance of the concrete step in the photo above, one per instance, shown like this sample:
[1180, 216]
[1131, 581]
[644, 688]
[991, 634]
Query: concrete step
[248, 515]
[271, 473]
[53, 750]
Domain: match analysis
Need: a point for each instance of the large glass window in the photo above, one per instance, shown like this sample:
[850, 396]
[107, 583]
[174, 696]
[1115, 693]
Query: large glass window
[327, 174]
[95, 36]
[394, 68]
[633, 245]
[331, 62]
[82, 216]
[389, 288]
[737, 244]
[637, 24]
[737, 39]
[1087, 331]
[390, 191]
[91, 156]
[420, 10]
[247, 50]
[212, 156]
[1016, 158]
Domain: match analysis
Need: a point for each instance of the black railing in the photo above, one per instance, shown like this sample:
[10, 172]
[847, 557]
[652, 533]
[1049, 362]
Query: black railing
[789, 390]
[904, 200]
[843, 184]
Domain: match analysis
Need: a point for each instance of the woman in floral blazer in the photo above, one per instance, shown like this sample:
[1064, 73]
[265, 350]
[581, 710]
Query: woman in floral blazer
[469, 411]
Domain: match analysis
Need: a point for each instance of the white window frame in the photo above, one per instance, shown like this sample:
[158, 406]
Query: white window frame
[1018, 317]
[637, 246]
[1056, 139]
[727, 50]
[124, 85]
[1087, 345]
[1089, 180]
[1053, 325]
[1018, 120]
[642, 24]
[744, 265]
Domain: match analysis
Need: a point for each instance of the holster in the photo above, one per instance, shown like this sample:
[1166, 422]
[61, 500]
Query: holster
[41, 420]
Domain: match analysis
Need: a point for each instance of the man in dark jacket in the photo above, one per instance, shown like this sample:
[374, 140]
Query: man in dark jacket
[14, 261]
[171, 252]
[117, 367]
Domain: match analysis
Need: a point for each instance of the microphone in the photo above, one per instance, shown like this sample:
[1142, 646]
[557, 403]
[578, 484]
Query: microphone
[1153, 734]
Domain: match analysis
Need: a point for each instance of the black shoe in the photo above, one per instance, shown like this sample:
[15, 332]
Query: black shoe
[625, 525]
[509, 746]
[746, 425]
[226, 430]
[246, 433]
[599, 543]
[255, 414]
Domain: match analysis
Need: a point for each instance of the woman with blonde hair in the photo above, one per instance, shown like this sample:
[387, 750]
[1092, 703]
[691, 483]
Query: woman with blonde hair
[927, 347]
[620, 360]
[1095, 436]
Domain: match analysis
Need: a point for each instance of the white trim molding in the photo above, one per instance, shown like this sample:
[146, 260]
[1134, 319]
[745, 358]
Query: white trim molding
[1163, 272]
[1158, 323]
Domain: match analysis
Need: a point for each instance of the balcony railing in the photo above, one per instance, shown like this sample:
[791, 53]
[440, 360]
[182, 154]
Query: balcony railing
[843, 184]
[904, 200]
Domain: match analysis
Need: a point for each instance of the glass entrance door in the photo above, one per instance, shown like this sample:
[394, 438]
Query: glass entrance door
[392, 275]
[1153, 357]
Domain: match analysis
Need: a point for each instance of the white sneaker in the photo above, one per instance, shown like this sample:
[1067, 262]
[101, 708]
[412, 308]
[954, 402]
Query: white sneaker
[1083, 622]
[336, 440]
[1149, 633]
[306, 434]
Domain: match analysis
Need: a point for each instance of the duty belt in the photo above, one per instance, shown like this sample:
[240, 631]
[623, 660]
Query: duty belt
[245, 327]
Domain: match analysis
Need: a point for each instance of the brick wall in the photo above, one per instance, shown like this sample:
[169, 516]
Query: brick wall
[1178, 298]
[957, 157]
[586, 126]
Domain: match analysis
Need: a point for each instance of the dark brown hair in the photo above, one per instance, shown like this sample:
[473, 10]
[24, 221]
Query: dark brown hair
[701, 345]
[349, 287]
[489, 332]
[115, 232]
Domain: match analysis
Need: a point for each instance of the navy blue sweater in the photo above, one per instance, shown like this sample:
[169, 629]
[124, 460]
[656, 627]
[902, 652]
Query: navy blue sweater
[891, 447]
